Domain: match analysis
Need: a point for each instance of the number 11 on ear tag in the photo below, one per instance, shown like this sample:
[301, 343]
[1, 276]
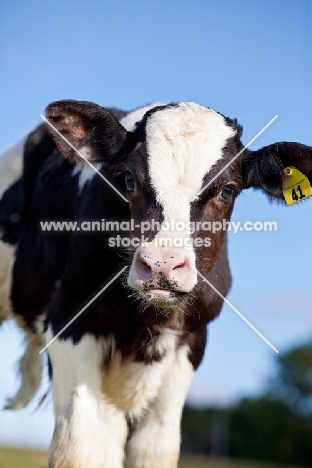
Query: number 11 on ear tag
[296, 187]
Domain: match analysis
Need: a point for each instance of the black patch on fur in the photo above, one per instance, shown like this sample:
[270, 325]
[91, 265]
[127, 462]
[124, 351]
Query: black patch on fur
[10, 213]
[38, 147]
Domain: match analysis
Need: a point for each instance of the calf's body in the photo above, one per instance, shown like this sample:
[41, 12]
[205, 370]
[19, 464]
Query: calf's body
[133, 352]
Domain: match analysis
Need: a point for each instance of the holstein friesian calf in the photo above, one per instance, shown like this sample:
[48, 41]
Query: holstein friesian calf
[134, 351]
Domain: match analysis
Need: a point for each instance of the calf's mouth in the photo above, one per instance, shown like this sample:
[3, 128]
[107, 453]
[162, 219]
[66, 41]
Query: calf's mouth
[161, 291]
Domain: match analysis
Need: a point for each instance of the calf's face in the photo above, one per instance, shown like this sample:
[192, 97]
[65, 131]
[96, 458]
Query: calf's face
[181, 173]
[182, 147]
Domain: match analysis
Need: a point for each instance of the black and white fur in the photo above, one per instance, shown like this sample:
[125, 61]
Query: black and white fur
[133, 353]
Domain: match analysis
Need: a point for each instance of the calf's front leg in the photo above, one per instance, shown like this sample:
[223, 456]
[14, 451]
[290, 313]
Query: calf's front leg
[89, 433]
[156, 441]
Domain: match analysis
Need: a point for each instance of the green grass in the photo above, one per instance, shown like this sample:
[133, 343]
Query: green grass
[22, 458]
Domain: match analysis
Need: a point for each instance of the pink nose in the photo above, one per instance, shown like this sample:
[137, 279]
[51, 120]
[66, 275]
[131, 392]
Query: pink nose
[174, 266]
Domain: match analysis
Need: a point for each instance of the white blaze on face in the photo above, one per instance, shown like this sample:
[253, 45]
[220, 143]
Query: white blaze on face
[183, 143]
[130, 120]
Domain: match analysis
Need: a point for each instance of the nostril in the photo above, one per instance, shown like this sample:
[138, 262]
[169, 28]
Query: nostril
[144, 264]
[180, 265]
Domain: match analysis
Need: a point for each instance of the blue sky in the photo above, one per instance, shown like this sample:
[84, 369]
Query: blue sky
[247, 59]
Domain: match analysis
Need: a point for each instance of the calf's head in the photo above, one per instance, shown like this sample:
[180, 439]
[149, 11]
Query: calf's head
[183, 166]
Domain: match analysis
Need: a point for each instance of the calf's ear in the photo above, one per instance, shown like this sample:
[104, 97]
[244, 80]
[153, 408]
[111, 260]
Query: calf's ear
[91, 129]
[265, 169]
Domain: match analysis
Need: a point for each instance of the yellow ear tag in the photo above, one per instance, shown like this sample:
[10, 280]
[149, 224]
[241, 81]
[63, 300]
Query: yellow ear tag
[296, 186]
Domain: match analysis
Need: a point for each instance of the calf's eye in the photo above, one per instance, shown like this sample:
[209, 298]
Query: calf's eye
[227, 192]
[129, 183]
